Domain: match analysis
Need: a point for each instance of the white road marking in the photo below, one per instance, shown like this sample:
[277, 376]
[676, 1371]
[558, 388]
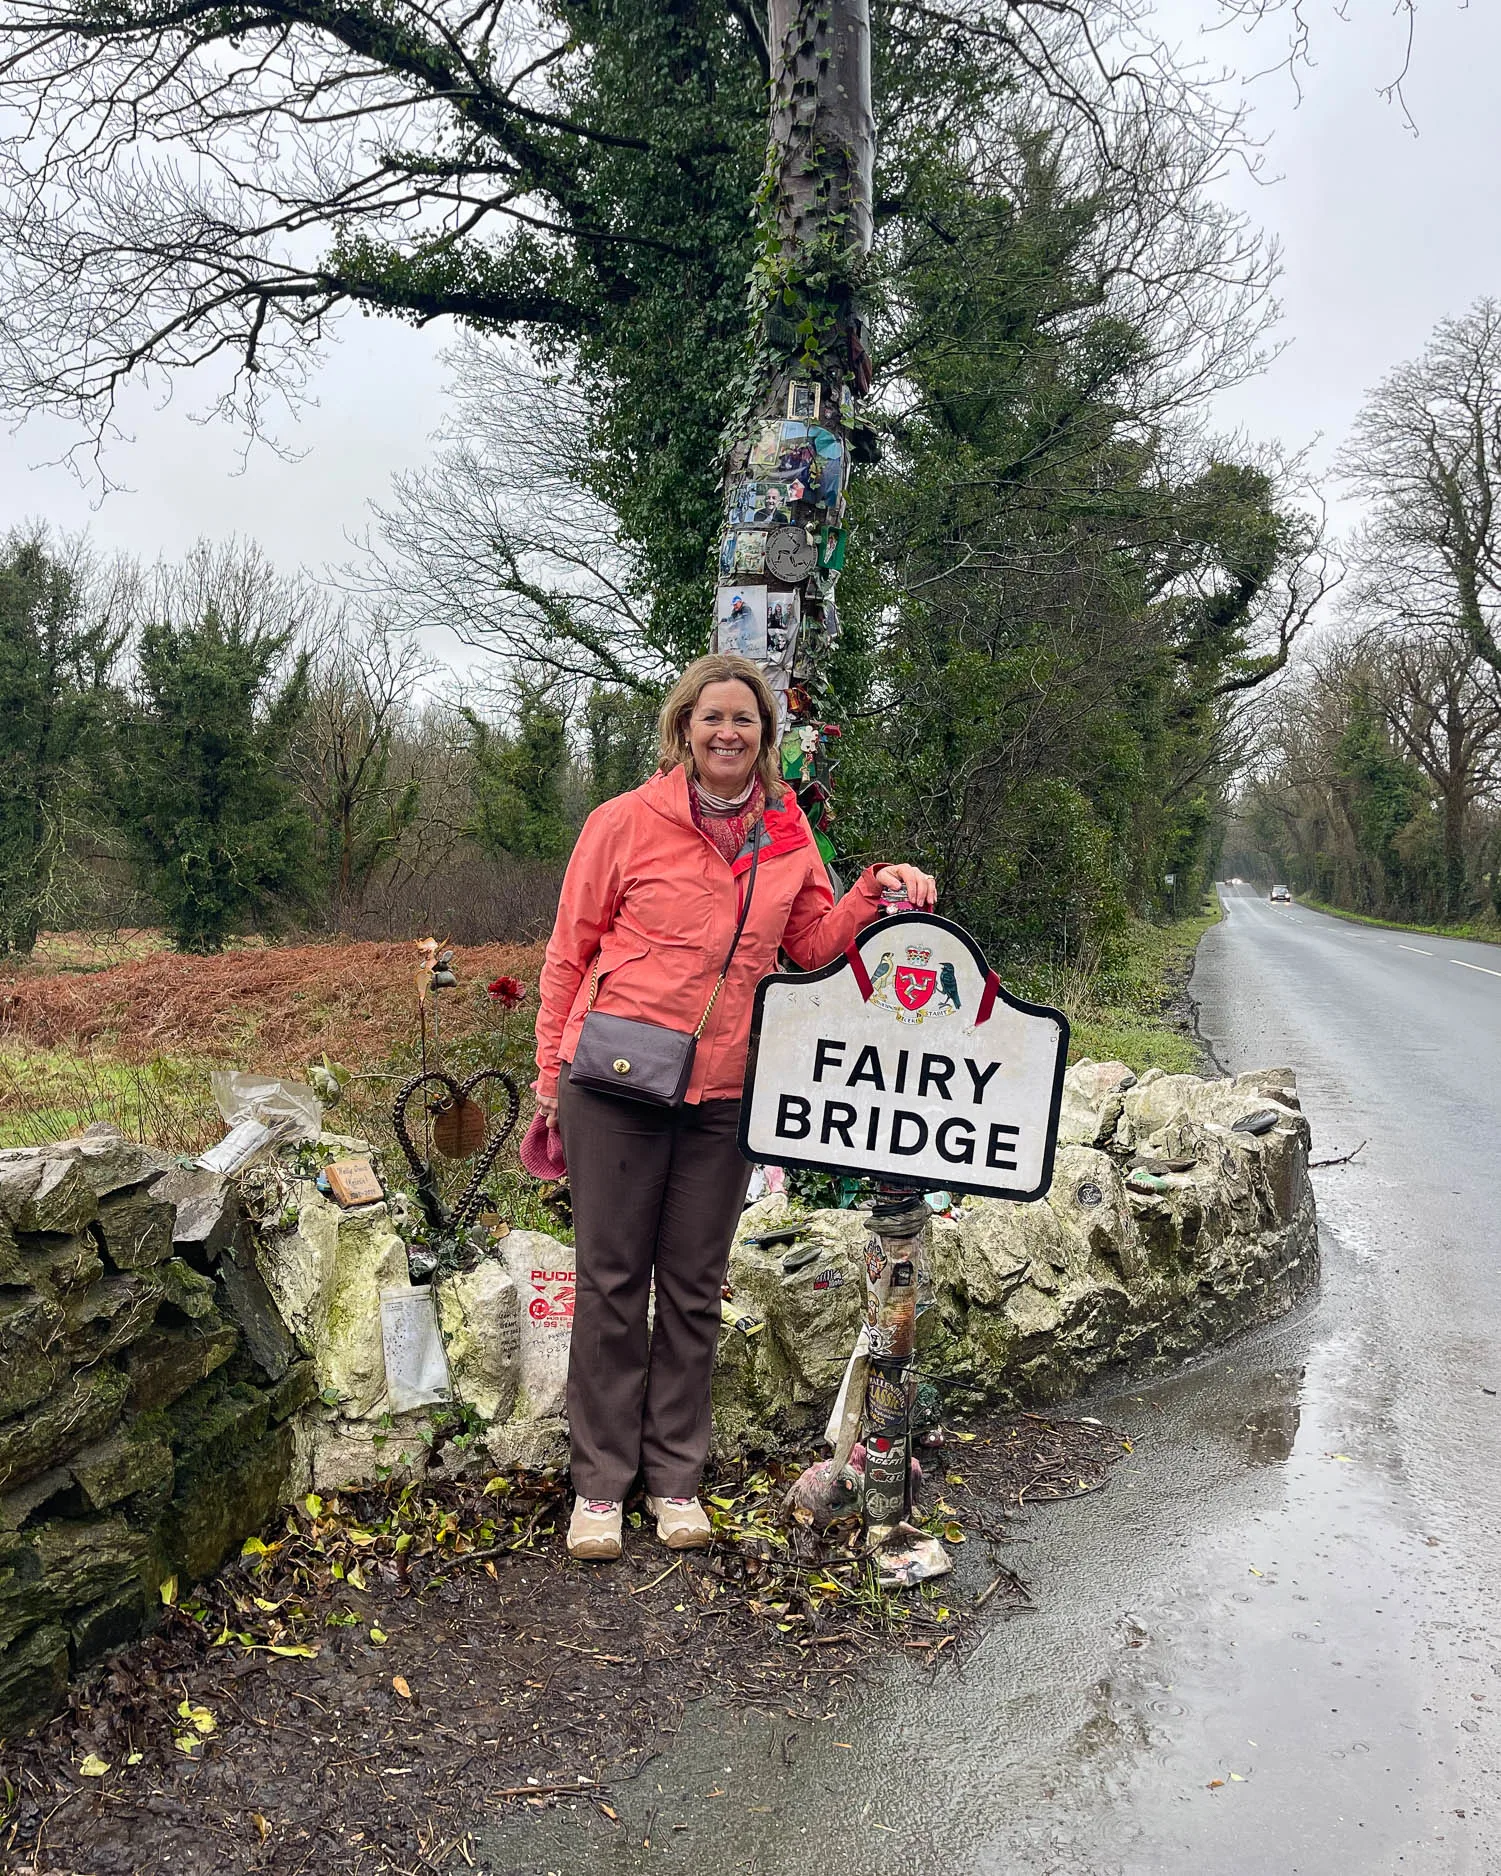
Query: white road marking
[1475, 967]
[1420, 951]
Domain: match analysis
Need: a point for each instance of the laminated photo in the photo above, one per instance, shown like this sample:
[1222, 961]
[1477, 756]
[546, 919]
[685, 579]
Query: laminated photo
[727, 556]
[804, 401]
[766, 449]
[750, 553]
[743, 497]
[827, 477]
[740, 621]
[784, 610]
[783, 616]
[773, 502]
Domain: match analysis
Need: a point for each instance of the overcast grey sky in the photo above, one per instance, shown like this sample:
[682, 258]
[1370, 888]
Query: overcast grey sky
[1382, 233]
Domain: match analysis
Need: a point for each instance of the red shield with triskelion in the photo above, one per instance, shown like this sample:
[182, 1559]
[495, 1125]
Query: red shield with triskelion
[913, 987]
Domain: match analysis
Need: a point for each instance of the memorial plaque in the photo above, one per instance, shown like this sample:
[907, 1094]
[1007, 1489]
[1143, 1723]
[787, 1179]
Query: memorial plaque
[906, 1059]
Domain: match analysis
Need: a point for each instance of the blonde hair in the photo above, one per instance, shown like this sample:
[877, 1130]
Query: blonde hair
[720, 667]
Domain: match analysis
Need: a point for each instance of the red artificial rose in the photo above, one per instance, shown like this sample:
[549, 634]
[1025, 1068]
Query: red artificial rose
[508, 991]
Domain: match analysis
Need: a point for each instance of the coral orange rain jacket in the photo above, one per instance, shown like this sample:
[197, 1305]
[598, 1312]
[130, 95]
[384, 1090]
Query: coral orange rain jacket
[652, 901]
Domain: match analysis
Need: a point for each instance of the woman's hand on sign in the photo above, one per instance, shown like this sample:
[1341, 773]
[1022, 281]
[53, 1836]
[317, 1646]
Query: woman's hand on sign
[921, 888]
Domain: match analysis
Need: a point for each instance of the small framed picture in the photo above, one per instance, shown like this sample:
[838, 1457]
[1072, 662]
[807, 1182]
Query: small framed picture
[766, 448]
[750, 553]
[804, 401]
[740, 621]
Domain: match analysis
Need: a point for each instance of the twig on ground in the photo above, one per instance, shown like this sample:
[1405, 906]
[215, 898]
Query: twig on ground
[1342, 1159]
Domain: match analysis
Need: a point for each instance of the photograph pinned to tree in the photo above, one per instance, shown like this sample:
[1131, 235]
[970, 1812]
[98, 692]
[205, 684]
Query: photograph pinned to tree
[742, 552]
[804, 401]
[773, 502]
[830, 471]
[783, 617]
[767, 447]
[740, 621]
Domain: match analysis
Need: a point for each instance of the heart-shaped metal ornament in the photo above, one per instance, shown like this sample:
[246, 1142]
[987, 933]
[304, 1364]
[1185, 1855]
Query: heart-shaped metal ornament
[456, 1100]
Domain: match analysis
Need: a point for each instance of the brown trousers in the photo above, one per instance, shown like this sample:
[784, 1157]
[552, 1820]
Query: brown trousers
[657, 1193]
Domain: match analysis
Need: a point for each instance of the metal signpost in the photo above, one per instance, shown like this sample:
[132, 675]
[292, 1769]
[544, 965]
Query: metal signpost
[904, 1061]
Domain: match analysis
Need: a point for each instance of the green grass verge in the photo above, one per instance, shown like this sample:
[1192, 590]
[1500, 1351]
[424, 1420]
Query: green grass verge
[49, 1094]
[1136, 1012]
[1485, 932]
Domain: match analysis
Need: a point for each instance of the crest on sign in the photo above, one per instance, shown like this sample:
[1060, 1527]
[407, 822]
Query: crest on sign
[906, 1059]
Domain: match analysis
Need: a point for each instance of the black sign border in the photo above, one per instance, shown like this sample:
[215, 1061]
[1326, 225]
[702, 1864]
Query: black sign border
[890, 923]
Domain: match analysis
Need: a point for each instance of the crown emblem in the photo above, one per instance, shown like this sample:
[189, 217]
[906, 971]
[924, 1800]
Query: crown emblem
[919, 954]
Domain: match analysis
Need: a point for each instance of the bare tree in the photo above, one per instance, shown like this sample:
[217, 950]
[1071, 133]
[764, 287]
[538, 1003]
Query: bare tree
[1443, 707]
[501, 541]
[207, 184]
[1425, 453]
[357, 758]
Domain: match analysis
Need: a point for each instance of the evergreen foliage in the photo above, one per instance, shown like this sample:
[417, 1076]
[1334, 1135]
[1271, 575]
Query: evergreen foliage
[518, 781]
[55, 661]
[210, 814]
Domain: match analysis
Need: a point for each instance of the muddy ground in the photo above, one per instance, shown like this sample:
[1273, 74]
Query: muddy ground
[385, 1672]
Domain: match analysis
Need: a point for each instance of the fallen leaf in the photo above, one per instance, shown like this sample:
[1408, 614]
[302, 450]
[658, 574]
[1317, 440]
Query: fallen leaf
[1254, 1570]
[287, 1648]
[93, 1766]
[134, 1758]
[314, 1504]
[1215, 1783]
[378, 1635]
[1236, 1778]
[1344, 1459]
[261, 1825]
[200, 1718]
[168, 1592]
[609, 1811]
[398, 1681]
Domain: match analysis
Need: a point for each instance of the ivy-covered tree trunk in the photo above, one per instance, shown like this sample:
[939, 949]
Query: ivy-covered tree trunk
[783, 543]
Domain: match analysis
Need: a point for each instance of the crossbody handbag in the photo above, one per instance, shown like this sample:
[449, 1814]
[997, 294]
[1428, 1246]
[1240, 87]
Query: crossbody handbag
[648, 1061]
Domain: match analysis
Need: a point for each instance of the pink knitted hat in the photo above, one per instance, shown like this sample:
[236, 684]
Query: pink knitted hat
[541, 1151]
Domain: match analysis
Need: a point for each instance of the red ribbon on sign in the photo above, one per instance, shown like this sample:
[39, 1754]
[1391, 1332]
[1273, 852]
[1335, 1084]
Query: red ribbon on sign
[857, 965]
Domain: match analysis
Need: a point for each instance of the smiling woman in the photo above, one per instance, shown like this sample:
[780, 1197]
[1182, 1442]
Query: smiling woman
[676, 902]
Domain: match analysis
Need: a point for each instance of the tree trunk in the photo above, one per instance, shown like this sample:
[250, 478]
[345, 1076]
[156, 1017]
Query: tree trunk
[788, 466]
[1456, 873]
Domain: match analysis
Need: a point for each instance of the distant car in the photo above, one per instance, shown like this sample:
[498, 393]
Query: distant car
[1281, 896]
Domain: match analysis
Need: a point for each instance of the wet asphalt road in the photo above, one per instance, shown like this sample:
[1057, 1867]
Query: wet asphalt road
[1289, 1588]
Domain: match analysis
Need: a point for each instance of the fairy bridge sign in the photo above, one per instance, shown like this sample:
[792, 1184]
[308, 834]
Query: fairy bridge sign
[905, 1059]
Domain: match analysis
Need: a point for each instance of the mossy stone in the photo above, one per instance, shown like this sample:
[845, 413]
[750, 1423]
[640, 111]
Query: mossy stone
[71, 1416]
[62, 1263]
[219, 1504]
[31, 1355]
[33, 1679]
[120, 1466]
[184, 1288]
[297, 1387]
[109, 1623]
[41, 1192]
[164, 1364]
[137, 1230]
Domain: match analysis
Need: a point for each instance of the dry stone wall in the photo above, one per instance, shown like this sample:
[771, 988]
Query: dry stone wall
[1180, 1215]
[179, 1354]
[140, 1436]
